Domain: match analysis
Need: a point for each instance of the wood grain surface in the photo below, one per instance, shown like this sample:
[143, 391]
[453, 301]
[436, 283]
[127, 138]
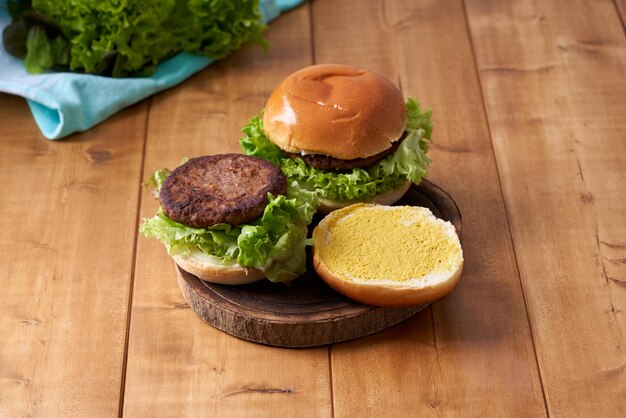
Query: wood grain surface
[177, 364]
[529, 105]
[68, 225]
[561, 105]
[621, 11]
[477, 339]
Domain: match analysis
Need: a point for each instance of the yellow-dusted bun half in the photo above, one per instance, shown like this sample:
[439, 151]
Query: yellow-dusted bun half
[388, 198]
[214, 270]
[335, 110]
[387, 255]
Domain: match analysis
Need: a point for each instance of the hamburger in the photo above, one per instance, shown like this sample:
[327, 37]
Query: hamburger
[343, 132]
[232, 219]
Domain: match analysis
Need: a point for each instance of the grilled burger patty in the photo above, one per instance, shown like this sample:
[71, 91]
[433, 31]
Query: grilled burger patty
[227, 188]
[325, 162]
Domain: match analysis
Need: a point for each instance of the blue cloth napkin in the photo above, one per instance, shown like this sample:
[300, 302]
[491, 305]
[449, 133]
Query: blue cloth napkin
[63, 103]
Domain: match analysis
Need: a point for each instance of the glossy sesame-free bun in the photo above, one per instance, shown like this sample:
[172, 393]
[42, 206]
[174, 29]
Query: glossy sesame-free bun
[212, 269]
[335, 110]
[387, 255]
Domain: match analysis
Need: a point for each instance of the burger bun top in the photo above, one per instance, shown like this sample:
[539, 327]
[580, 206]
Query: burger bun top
[335, 110]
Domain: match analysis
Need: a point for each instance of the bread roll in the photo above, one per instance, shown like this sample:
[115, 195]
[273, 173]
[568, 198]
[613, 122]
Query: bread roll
[387, 255]
[335, 110]
[214, 270]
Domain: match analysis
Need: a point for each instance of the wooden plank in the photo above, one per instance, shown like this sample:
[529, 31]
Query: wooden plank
[553, 82]
[68, 219]
[472, 354]
[621, 10]
[177, 364]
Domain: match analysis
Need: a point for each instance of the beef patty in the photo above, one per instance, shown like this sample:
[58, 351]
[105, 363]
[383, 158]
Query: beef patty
[227, 188]
[325, 162]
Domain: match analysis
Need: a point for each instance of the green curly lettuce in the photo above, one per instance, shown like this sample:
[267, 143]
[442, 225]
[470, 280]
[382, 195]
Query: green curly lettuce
[156, 180]
[126, 38]
[408, 162]
[274, 243]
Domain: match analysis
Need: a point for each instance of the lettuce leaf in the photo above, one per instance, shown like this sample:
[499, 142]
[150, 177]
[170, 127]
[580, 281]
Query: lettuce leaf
[129, 38]
[409, 161]
[274, 243]
[219, 240]
[255, 142]
[419, 120]
[156, 180]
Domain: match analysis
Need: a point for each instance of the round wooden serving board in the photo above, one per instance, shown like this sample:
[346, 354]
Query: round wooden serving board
[307, 312]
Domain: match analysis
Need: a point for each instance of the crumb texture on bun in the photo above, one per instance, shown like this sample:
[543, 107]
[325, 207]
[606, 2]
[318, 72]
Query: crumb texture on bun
[387, 255]
[335, 110]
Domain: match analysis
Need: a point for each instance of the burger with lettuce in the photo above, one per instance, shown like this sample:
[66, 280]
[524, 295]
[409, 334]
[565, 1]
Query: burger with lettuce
[232, 219]
[343, 132]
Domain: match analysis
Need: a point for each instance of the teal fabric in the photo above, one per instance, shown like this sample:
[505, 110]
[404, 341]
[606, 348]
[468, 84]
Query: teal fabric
[63, 103]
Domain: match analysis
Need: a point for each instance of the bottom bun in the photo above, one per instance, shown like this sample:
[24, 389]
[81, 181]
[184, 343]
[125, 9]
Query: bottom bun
[388, 198]
[212, 269]
[387, 256]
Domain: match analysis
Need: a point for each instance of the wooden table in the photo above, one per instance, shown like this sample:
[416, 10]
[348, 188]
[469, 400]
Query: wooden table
[529, 106]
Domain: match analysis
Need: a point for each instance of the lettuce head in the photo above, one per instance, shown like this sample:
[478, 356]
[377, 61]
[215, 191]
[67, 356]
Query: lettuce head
[123, 38]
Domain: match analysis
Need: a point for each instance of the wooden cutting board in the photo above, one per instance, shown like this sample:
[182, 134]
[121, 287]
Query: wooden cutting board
[306, 313]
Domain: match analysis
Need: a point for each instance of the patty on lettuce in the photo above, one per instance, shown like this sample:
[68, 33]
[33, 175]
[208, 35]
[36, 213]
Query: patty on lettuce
[232, 219]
